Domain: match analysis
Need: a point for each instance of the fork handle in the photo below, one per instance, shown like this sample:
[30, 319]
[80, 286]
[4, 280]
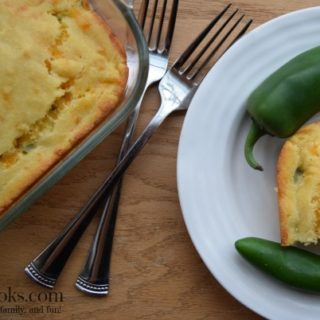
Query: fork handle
[94, 277]
[46, 267]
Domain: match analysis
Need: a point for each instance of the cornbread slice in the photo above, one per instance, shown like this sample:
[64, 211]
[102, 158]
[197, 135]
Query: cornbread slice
[62, 72]
[298, 179]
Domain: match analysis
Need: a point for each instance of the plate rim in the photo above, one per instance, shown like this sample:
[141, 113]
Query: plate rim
[191, 231]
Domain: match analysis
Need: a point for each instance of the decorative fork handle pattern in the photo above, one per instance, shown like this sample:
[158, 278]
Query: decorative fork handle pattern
[47, 266]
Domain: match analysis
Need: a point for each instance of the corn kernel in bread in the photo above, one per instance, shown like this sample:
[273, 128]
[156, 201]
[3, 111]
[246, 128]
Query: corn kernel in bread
[298, 178]
[62, 72]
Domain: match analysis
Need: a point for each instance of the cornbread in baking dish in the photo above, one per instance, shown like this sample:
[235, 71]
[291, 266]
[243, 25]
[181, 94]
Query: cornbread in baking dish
[298, 178]
[62, 72]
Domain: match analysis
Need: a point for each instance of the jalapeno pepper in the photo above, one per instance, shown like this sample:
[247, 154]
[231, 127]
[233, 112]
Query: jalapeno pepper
[294, 266]
[284, 101]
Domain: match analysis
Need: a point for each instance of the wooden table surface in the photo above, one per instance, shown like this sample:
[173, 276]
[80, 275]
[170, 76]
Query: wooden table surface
[156, 273]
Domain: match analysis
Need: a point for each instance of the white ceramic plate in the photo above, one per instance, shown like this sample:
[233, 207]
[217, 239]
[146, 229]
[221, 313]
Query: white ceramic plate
[222, 198]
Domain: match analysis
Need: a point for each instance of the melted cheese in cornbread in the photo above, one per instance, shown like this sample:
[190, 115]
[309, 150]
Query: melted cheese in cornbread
[299, 187]
[62, 72]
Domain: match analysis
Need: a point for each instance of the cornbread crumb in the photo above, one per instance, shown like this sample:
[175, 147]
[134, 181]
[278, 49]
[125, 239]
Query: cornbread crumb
[298, 178]
[62, 73]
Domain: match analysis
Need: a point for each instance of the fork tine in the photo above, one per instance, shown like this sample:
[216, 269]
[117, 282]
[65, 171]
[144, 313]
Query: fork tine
[171, 25]
[153, 18]
[216, 48]
[143, 13]
[205, 48]
[242, 32]
[187, 53]
[163, 12]
[204, 63]
[172, 19]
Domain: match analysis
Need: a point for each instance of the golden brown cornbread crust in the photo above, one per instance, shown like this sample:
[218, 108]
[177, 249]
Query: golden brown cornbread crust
[65, 72]
[298, 180]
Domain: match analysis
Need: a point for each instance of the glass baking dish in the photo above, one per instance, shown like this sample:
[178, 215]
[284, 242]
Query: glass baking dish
[120, 17]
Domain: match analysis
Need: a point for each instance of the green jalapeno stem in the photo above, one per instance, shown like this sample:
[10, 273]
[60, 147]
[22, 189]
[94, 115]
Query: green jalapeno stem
[254, 134]
[285, 100]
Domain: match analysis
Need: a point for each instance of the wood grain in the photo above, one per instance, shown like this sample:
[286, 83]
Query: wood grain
[156, 272]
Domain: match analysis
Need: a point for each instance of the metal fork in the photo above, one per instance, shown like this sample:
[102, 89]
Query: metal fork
[176, 89]
[94, 278]
[46, 268]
